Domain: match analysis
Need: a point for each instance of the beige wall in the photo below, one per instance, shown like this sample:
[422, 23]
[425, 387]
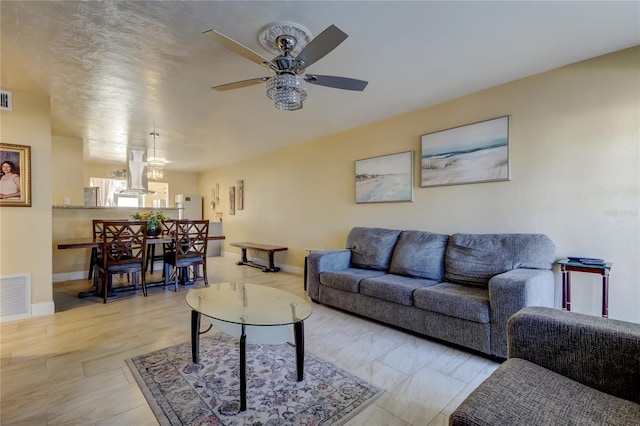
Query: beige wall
[574, 161]
[25, 232]
[68, 182]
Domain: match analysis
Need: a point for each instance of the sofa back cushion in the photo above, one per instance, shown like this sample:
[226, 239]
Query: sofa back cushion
[371, 248]
[474, 258]
[419, 254]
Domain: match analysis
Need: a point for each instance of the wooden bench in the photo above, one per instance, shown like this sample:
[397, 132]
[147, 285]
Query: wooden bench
[259, 247]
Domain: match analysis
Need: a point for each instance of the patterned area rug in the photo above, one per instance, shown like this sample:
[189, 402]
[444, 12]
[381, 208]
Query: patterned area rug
[208, 393]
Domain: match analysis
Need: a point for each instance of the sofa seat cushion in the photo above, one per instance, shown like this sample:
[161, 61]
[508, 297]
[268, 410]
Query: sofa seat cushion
[371, 248]
[393, 288]
[347, 279]
[473, 259]
[523, 393]
[454, 300]
[419, 254]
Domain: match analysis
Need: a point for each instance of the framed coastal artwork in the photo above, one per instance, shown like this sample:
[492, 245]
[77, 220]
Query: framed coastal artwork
[15, 175]
[472, 153]
[385, 179]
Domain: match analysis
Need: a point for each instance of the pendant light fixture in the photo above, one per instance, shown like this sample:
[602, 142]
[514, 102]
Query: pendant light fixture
[155, 170]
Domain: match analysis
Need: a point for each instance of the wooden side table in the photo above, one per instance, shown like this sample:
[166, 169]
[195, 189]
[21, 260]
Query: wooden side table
[568, 266]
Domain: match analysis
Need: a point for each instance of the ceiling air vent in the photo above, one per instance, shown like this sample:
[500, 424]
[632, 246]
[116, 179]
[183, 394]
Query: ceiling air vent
[6, 101]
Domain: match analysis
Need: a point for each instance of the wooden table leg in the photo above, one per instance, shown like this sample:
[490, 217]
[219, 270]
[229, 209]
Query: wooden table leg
[605, 295]
[243, 261]
[298, 330]
[195, 335]
[272, 265]
[564, 289]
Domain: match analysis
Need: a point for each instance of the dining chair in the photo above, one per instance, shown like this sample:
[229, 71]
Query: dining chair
[123, 251]
[168, 229]
[95, 251]
[189, 250]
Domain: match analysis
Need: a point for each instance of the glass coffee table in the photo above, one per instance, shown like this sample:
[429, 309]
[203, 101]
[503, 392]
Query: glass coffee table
[253, 313]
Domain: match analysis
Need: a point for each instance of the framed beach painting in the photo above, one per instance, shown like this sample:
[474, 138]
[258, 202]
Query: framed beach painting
[472, 153]
[15, 175]
[385, 179]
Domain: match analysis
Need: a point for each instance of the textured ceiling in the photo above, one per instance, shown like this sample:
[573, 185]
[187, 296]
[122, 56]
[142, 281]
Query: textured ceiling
[115, 71]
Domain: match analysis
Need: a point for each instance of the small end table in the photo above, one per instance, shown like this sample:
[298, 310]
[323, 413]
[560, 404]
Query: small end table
[568, 266]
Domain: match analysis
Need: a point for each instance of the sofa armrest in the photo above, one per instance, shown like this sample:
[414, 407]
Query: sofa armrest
[324, 261]
[601, 353]
[511, 291]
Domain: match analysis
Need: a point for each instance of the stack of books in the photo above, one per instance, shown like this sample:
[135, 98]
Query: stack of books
[587, 260]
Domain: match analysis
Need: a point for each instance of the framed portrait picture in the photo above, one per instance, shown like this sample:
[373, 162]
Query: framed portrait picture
[385, 179]
[15, 175]
[472, 153]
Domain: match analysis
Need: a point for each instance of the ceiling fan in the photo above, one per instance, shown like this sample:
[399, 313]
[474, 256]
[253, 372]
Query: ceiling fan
[287, 88]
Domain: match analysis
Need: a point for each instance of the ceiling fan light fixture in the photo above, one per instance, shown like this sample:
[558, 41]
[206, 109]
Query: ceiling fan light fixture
[287, 91]
[269, 34]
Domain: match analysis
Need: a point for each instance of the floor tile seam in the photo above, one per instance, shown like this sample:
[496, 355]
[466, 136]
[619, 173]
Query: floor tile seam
[60, 388]
[390, 413]
[426, 367]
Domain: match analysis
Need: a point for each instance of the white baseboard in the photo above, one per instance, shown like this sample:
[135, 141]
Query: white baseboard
[285, 268]
[79, 275]
[37, 310]
[69, 276]
[44, 308]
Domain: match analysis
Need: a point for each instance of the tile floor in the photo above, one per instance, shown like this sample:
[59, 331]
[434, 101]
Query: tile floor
[69, 368]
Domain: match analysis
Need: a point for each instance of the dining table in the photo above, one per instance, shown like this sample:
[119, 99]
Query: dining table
[91, 243]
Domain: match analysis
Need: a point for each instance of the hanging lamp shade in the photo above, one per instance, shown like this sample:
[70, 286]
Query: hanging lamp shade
[155, 168]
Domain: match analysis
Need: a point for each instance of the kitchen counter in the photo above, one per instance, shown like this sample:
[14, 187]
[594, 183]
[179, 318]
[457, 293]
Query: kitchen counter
[161, 209]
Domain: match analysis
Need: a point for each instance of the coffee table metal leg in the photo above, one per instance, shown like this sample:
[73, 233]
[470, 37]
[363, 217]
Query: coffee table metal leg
[298, 331]
[243, 368]
[195, 335]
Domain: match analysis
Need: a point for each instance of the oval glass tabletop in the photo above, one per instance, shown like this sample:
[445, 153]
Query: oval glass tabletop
[250, 304]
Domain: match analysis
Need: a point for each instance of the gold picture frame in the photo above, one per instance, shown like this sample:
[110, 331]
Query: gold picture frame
[15, 175]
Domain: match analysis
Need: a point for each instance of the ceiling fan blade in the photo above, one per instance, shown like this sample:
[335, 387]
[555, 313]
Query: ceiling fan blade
[237, 48]
[317, 48]
[239, 84]
[336, 82]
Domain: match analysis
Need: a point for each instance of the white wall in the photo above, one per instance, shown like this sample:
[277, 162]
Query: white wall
[574, 161]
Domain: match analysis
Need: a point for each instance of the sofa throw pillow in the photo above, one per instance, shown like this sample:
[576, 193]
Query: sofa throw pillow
[371, 248]
[474, 258]
[419, 254]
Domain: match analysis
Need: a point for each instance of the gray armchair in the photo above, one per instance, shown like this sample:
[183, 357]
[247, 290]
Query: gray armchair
[564, 368]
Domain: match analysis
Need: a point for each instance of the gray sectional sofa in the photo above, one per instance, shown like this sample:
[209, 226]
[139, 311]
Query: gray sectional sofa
[564, 368]
[459, 288]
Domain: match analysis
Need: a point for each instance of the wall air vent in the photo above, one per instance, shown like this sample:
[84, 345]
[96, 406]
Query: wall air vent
[6, 100]
[15, 297]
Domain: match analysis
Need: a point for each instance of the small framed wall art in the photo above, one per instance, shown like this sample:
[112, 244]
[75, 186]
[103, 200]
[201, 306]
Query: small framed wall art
[240, 194]
[232, 200]
[472, 153]
[15, 175]
[385, 179]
